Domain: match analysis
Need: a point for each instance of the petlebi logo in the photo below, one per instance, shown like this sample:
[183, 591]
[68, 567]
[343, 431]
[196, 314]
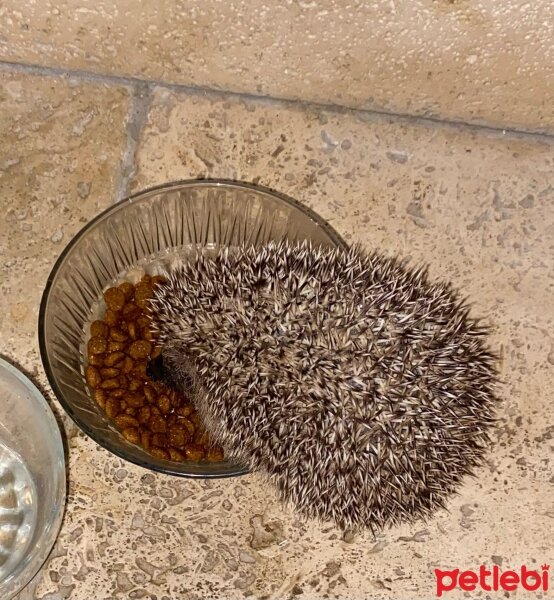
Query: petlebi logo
[492, 580]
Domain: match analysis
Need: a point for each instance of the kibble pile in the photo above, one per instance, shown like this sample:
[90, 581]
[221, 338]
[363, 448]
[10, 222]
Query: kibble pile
[147, 412]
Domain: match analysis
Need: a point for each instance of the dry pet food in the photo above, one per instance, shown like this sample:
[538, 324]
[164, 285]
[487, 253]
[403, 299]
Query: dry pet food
[147, 412]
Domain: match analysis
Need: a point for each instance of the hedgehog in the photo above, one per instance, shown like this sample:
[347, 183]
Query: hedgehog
[363, 390]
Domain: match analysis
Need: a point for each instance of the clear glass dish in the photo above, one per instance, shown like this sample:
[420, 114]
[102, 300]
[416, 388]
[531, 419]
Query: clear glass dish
[145, 228]
[32, 480]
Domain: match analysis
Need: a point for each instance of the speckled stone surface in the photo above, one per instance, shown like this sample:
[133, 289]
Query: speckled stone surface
[483, 61]
[59, 165]
[62, 142]
[477, 206]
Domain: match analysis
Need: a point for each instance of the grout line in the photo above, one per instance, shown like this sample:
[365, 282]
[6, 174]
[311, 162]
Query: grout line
[141, 99]
[135, 82]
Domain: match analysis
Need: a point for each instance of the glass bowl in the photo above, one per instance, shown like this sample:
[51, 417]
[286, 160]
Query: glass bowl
[32, 480]
[143, 229]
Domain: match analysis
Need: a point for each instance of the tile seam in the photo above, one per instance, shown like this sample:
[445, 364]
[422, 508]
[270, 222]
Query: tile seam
[134, 82]
[137, 118]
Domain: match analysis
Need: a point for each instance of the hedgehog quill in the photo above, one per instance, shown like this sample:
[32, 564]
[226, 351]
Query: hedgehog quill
[364, 391]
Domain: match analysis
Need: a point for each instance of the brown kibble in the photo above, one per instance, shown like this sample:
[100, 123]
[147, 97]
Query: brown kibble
[93, 377]
[164, 404]
[143, 292]
[146, 278]
[108, 372]
[201, 437]
[111, 318]
[140, 349]
[124, 421]
[144, 415]
[114, 346]
[145, 439]
[128, 290]
[158, 424]
[144, 322]
[185, 410]
[159, 453]
[176, 455]
[133, 331]
[195, 418]
[110, 384]
[147, 412]
[131, 311]
[96, 360]
[113, 407]
[139, 371]
[97, 345]
[215, 454]
[158, 386]
[194, 452]
[100, 398]
[132, 434]
[160, 440]
[135, 385]
[99, 329]
[188, 425]
[178, 437]
[117, 335]
[114, 298]
[127, 365]
[150, 393]
[135, 400]
[114, 358]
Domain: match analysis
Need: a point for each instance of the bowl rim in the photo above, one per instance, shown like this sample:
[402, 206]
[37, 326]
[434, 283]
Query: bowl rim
[31, 569]
[119, 205]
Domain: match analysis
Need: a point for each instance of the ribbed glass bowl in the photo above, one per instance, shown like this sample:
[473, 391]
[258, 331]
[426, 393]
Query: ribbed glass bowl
[177, 217]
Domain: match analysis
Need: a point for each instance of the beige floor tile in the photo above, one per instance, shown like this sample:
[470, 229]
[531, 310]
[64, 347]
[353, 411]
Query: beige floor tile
[480, 61]
[61, 147]
[59, 162]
